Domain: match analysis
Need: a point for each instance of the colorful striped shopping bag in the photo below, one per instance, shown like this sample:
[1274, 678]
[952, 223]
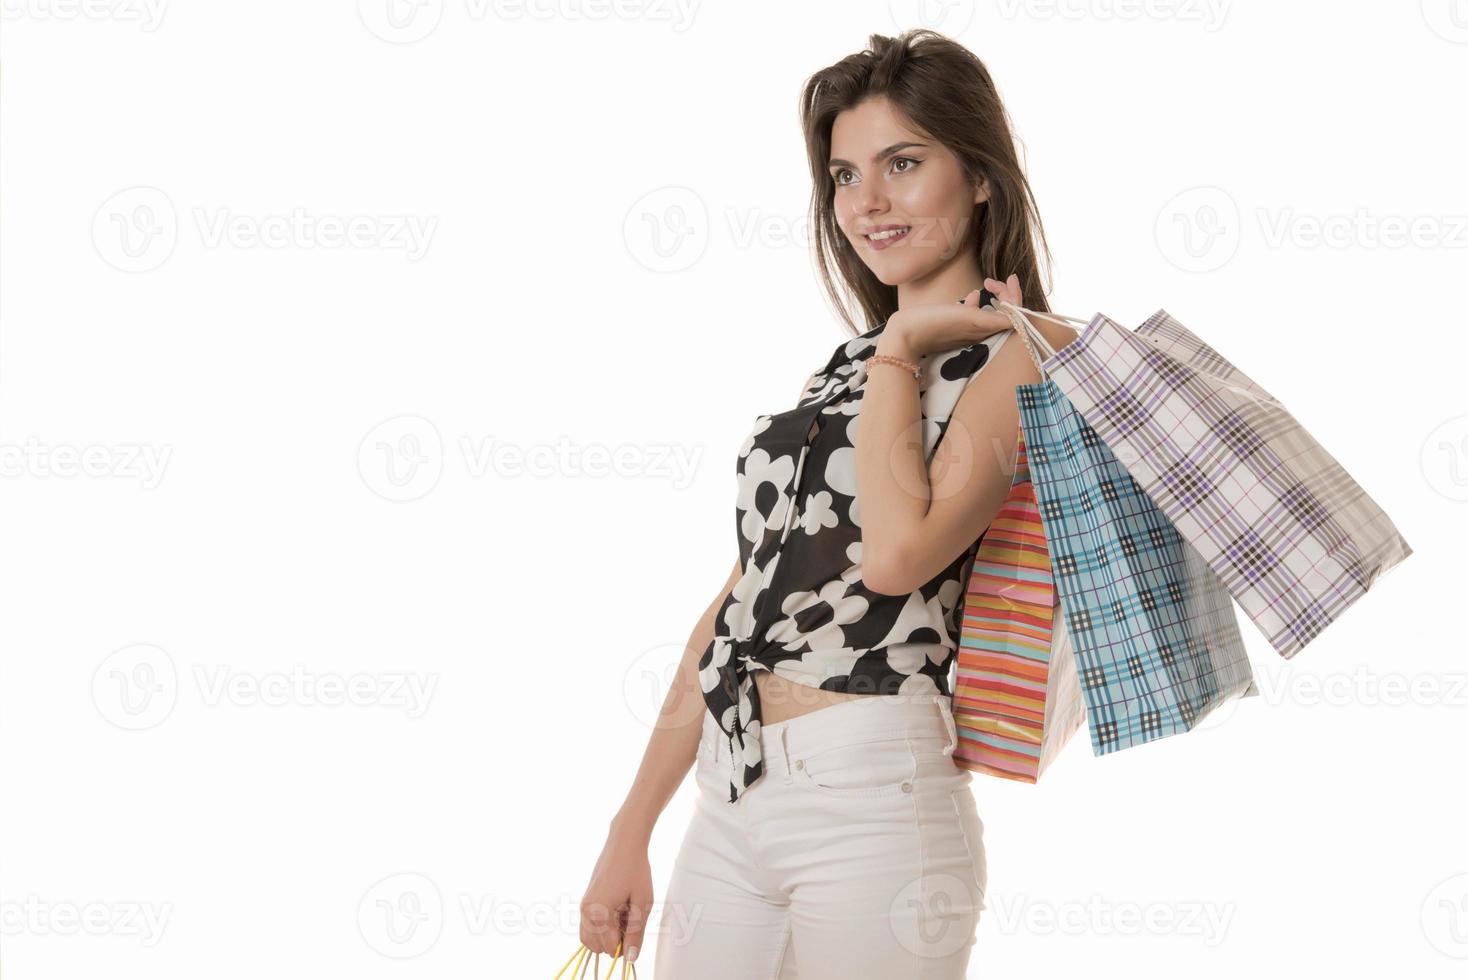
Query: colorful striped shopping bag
[1154, 632]
[1016, 698]
[1293, 537]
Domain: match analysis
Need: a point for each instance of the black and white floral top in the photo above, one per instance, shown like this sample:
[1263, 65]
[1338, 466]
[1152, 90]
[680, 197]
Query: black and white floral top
[800, 608]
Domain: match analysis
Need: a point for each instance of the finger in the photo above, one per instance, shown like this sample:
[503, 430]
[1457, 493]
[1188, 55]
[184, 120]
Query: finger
[999, 289]
[1012, 292]
[637, 915]
[599, 928]
[990, 322]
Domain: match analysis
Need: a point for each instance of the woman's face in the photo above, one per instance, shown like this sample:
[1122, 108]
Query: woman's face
[901, 186]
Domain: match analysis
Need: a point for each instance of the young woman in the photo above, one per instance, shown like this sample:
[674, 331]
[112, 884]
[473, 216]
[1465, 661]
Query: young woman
[835, 836]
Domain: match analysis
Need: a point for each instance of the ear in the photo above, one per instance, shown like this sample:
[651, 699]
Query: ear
[981, 192]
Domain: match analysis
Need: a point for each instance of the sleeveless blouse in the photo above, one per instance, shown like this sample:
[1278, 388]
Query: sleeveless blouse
[799, 607]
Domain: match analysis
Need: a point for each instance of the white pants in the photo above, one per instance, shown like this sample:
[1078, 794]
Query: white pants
[857, 854]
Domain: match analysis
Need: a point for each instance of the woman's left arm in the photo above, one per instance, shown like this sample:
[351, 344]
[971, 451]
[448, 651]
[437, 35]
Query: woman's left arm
[916, 518]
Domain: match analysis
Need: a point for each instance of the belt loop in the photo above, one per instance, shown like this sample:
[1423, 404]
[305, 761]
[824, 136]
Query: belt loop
[784, 739]
[945, 708]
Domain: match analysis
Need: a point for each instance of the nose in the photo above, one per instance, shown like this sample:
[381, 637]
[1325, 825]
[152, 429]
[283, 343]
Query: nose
[865, 199]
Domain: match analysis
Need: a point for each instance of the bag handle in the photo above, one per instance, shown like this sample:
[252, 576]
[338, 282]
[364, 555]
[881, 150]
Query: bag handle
[583, 956]
[1028, 332]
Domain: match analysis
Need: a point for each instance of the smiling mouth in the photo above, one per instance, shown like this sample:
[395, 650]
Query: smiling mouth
[890, 236]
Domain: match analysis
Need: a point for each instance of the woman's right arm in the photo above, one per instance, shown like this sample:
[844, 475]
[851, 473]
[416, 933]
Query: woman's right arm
[673, 747]
[622, 879]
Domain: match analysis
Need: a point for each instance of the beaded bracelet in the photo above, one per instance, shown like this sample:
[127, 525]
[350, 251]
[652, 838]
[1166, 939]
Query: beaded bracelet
[899, 362]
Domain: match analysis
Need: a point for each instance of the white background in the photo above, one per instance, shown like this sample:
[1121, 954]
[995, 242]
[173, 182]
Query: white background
[322, 599]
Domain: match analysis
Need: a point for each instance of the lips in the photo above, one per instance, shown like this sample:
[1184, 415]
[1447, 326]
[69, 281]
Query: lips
[885, 236]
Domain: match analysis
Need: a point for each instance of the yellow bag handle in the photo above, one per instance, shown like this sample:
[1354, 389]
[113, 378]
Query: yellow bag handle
[583, 956]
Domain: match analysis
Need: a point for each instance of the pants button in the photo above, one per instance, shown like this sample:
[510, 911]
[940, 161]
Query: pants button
[907, 787]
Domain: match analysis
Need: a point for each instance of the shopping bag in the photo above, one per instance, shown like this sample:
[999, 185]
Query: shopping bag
[1155, 636]
[1293, 537]
[584, 958]
[1016, 698]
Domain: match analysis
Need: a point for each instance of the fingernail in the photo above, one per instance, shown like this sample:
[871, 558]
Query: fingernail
[632, 954]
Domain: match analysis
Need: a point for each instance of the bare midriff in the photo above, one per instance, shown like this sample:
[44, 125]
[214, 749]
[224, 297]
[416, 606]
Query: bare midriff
[781, 699]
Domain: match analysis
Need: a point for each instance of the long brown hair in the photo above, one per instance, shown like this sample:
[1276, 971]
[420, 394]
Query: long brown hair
[946, 91]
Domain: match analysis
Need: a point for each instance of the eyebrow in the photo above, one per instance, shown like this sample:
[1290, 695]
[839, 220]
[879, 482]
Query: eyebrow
[881, 155]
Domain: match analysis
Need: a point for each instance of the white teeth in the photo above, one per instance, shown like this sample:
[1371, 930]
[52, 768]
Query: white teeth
[879, 236]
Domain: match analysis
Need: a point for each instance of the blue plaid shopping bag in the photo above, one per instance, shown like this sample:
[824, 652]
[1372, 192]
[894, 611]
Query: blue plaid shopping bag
[1155, 636]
